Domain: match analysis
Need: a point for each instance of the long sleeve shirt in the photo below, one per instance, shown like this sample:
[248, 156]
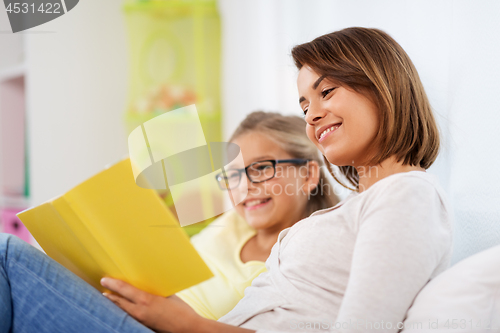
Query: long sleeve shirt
[356, 266]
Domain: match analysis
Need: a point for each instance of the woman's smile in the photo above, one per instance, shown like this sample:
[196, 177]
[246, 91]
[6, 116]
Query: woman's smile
[330, 129]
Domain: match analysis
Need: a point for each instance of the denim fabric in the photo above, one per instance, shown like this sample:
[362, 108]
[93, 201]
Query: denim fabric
[39, 295]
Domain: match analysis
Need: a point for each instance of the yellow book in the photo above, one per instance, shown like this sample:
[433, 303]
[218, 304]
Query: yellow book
[109, 226]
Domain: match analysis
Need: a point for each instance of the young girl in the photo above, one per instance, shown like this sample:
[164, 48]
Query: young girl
[359, 265]
[286, 183]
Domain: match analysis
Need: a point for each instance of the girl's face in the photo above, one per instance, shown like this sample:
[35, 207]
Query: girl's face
[279, 202]
[340, 121]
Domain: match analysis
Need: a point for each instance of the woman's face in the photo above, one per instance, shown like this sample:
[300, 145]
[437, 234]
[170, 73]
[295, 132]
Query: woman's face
[279, 202]
[340, 121]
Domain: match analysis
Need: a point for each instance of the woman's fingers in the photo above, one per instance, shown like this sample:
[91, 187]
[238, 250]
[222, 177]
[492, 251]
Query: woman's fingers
[162, 314]
[138, 311]
[121, 287]
[123, 303]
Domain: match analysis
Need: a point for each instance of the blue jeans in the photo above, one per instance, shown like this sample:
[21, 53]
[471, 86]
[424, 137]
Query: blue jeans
[37, 294]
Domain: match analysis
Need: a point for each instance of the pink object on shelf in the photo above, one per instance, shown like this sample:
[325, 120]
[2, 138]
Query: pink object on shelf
[12, 225]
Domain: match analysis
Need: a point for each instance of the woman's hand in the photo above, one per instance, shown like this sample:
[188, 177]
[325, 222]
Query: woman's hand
[161, 314]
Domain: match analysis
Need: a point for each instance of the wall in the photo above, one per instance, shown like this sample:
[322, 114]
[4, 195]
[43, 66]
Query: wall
[77, 85]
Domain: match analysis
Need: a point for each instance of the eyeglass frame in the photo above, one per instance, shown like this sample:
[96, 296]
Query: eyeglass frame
[274, 162]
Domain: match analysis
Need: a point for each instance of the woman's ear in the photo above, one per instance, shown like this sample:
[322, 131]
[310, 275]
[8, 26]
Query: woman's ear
[312, 179]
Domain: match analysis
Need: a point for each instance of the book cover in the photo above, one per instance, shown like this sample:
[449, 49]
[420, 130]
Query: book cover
[109, 226]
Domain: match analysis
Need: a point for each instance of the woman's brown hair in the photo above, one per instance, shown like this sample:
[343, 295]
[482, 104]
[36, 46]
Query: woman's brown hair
[370, 61]
[289, 132]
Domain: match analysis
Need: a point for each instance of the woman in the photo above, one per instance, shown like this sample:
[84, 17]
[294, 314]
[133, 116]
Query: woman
[359, 265]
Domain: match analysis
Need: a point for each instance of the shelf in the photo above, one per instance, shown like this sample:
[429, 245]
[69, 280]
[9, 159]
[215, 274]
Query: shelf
[12, 72]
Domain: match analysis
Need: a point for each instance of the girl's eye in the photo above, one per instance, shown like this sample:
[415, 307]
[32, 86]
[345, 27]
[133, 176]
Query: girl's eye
[305, 112]
[325, 93]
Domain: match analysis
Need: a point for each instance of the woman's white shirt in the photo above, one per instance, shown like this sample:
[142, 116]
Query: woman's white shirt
[356, 266]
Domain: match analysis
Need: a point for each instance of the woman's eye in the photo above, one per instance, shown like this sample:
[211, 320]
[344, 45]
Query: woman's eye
[305, 112]
[324, 93]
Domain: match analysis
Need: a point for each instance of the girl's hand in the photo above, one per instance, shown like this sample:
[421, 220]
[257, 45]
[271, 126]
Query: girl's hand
[161, 314]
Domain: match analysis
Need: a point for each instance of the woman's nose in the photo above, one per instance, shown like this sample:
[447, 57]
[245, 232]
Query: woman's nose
[314, 114]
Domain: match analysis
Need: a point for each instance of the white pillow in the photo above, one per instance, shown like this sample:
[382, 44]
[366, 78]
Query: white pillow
[464, 298]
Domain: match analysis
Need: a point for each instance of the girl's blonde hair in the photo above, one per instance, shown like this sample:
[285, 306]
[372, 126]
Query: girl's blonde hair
[289, 132]
[372, 62]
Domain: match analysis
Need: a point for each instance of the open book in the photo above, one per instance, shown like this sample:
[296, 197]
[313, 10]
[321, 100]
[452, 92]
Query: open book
[109, 226]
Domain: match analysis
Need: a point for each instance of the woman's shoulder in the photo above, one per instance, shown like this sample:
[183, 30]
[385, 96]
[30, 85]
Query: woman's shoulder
[409, 182]
[398, 192]
[410, 193]
[410, 178]
[402, 185]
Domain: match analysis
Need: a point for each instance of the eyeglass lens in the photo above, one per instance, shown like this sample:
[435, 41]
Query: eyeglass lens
[257, 172]
[261, 171]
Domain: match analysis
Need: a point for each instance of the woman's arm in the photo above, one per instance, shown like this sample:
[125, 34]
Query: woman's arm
[161, 314]
[404, 233]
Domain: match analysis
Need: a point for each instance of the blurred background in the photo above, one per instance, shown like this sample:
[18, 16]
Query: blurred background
[72, 89]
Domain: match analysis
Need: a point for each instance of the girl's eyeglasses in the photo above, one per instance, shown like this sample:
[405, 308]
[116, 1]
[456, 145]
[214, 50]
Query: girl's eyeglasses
[256, 172]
